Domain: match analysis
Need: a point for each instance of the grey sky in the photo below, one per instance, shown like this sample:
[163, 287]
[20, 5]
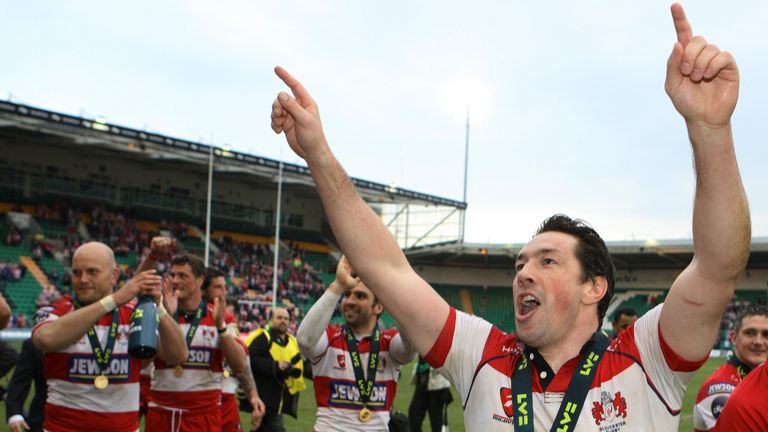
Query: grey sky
[572, 118]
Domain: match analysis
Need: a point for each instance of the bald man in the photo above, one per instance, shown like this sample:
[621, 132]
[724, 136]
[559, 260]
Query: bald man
[93, 384]
[277, 367]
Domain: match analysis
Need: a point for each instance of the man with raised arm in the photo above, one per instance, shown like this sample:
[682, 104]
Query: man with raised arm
[186, 397]
[93, 384]
[355, 365]
[565, 376]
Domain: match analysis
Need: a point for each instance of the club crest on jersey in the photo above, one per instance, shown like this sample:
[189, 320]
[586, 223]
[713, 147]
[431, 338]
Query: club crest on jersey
[341, 359]
[609, 409]
[507, 401]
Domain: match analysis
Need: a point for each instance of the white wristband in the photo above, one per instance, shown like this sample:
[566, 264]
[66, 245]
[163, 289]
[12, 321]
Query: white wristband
[109, 303]
[161, 312]
[15, 419]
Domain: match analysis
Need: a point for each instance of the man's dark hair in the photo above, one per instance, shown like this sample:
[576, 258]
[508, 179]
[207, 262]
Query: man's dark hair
[590, 251]
[197, 265]
[628, 311]
[211, 273]
[751, 310]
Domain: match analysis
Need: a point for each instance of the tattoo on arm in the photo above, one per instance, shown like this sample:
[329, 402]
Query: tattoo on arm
[246, 381]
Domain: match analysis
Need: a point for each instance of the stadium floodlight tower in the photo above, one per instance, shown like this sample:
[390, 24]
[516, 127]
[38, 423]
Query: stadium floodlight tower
[458, 96]
[208, 207]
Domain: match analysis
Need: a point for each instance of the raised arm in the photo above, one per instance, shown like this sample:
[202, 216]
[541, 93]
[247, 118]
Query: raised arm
[171, 345]
[371, 249]
[703, 83]
[319, 315]
[159, 248]
[231, 349]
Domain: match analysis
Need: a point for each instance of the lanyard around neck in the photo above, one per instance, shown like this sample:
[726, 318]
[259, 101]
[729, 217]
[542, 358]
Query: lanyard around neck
[573, 401]
[198, 314]
[364, 383]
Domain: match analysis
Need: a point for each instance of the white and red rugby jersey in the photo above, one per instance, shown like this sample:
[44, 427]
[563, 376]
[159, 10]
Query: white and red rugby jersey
[639, 383]
[747, 408]
[712, 396]
[336, 392]
[73, 403]
[199, 386]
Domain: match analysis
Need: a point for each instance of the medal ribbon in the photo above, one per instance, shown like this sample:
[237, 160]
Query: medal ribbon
[199, 313]
[364, 383]
[573, 402]
[103, 354]
[742, 368]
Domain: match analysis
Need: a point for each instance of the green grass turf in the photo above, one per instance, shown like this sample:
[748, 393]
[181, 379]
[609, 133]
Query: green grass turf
[306, 417]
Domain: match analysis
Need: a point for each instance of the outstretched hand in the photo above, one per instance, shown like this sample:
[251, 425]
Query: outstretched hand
[702, 81]
[298, 117]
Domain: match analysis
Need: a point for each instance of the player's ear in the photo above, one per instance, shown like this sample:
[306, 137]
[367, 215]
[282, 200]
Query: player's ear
[595, 290]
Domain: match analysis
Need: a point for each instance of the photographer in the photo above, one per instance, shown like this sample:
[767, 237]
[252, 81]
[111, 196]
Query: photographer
[277, 368]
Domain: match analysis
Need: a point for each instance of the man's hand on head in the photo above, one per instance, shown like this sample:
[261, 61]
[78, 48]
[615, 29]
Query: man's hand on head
[346, 277]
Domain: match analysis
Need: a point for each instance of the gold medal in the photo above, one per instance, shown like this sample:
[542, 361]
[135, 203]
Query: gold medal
[365, 415]
[178, 371]
[101, 382]
[226, 373]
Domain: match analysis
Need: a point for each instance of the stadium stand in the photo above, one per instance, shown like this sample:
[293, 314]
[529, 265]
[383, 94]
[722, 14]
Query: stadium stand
[247, 261]
[122, 186]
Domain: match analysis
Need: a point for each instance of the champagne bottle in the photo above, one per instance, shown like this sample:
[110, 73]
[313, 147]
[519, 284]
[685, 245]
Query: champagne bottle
[142, 339]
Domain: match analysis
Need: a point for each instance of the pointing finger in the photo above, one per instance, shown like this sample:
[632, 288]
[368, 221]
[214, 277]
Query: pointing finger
[682, 26]
[298, 90]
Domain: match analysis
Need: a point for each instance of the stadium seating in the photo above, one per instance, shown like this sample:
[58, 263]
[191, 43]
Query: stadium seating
[499, 308]
[21, 293]
[451, 294]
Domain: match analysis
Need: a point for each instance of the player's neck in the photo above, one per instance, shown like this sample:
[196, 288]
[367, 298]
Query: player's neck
[560, 351]
[191, 302]
[363, 330]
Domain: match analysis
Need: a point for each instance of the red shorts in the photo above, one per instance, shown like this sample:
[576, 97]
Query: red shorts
[165, 420]
[230, 416]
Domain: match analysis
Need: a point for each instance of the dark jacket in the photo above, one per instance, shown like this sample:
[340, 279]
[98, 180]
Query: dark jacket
[270, 380]
[28, 368]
